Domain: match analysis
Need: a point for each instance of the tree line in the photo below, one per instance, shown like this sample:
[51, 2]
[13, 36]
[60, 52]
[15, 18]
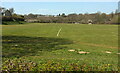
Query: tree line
[93, 18]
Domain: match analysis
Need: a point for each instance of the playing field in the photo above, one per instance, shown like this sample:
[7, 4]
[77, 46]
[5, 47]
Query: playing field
[81, 44]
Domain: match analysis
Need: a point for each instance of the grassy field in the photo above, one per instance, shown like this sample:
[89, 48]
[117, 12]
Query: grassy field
[37, 42]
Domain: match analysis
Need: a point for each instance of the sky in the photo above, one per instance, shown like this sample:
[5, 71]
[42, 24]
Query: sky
[60, 0]
[55, 8]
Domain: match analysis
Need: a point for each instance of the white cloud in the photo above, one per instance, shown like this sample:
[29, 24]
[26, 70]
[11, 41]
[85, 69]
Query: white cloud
[59, 0]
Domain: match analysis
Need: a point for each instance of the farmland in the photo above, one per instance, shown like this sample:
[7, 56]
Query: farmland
[39, 43]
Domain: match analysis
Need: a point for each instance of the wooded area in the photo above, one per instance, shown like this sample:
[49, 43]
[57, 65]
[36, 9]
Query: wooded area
[94, 18]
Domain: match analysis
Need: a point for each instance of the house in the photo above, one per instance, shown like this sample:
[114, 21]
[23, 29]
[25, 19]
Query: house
[7, 13]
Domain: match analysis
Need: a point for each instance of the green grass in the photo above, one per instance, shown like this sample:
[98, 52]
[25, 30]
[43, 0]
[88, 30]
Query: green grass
[38, 42]
[13, 22]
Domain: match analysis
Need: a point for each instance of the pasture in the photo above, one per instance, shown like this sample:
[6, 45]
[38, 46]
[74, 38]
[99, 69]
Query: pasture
[78, 47]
